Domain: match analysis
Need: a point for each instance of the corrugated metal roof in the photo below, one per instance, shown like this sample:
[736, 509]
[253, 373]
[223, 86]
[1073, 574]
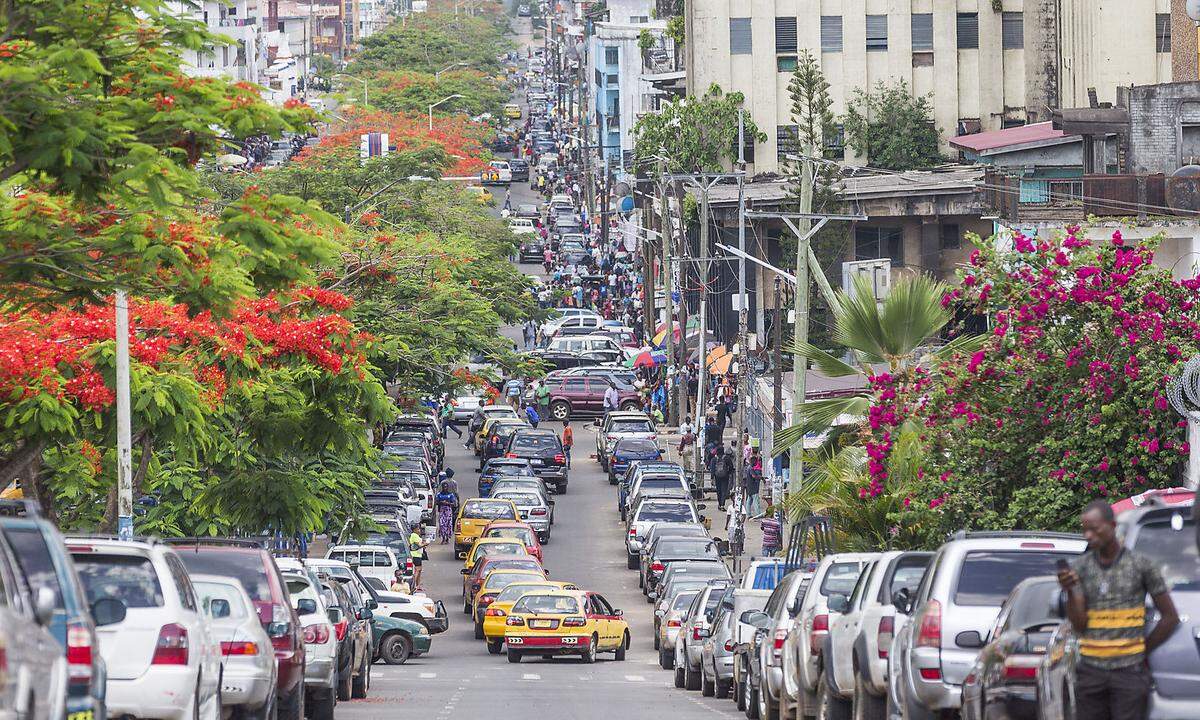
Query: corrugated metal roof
[993, 139]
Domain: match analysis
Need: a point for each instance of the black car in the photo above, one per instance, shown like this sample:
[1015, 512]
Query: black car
[528, 211]
[520, 171]
[496, 444]
[504, 467]
[545, 453]
[533, 249]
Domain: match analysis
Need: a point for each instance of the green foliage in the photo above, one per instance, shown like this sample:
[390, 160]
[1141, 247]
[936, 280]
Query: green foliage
[428, 42]
[645, 40]
[891, 128]
[413, 92]
[695, 134]
[677, 29]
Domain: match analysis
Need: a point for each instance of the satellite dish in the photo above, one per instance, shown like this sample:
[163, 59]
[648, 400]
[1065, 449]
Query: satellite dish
[1192, 8]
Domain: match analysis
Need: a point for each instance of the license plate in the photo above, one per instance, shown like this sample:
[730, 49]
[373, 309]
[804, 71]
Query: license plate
[535, 461]
[81, 715]
[232, 688]
[569, 641]
[540, 623]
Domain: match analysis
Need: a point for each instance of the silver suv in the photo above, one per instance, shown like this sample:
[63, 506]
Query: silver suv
[689, 642]
[861, 628]
[781, 609]
[955, 606]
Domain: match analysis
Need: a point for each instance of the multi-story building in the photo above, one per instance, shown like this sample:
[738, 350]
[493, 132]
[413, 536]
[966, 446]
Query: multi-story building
[239, 20]
[985, 64]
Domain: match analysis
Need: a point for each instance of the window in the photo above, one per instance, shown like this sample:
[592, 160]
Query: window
[987, 577]
[612, 80]
[785, 63]
[747, 149]
[1162, 32]
[831, 33]
[740, 39]
[183, 585]
[787, 142]
[950, 236]
[871, 243]
[835, 144]
[1013, 31]
[599, 77]
[29, 547]
[128, 578]
[922, 32]
[968, 31]
[877, 33]
[639, 19]
[611, 55]
[785, 35]
[840, 578]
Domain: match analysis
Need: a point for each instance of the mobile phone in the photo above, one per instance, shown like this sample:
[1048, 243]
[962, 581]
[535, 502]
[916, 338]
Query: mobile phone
[1061, 565]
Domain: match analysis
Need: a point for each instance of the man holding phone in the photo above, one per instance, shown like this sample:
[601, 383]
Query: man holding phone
[1106, 604]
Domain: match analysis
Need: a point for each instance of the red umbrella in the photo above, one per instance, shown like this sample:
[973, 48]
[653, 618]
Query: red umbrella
[644, 359]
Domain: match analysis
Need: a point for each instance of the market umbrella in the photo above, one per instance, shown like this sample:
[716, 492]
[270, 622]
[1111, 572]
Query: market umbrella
[647, 358]
[720, 364]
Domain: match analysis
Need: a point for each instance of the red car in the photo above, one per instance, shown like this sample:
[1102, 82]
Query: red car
[516, 530]
[250, 563]
[574, 395]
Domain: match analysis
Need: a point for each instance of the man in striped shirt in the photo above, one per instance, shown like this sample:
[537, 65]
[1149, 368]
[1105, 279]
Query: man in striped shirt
[1106, 604]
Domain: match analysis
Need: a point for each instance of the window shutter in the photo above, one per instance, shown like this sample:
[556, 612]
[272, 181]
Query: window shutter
[877, 33]
[785, 35]
[968, 31]
[1013, 31]
[922, 32]
[740, 41]
[831, 33]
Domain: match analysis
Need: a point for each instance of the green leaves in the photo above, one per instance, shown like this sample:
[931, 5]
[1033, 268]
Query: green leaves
[694, 134]
[891, 128]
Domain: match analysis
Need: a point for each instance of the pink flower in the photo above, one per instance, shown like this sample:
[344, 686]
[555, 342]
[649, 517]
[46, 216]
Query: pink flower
[907, 502]
[1023, 244]
[1060, 258]
[969, 280]
[1116, 238]
[976, 361]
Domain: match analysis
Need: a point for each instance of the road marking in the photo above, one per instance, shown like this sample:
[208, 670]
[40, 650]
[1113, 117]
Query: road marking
[635, 678]
[531, 676]
[428, 676]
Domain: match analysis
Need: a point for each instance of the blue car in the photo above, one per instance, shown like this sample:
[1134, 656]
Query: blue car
[43, 558]
[502, 467]
[629, 450]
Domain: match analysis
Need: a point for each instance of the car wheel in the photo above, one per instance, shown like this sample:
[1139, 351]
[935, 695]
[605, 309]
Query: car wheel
[514, 656]
[396, 649]
[293, 708]
[657, 640]
[493, 647]
[722, 688]
[665, 660]
[866, 705]
[478, 629]
[589, 655]
[767, 710]
[691, 678]
[466, 606]
[678, 674]
[740, 692]
[708, 688]
[345, 682]
[561, 489]
[544, 538]
[560, 410]
[751, 702]
[629, 406]
[631, 562]
[324, 701]
[620, 654]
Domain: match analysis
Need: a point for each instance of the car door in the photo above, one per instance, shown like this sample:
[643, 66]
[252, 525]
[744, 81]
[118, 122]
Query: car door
[597, 615]
[575, 390]
[32, 651]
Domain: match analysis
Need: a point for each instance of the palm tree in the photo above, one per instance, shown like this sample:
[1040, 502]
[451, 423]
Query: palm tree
[895, 334]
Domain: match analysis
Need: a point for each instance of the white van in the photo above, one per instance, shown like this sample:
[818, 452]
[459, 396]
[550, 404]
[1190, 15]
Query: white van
[372, 560]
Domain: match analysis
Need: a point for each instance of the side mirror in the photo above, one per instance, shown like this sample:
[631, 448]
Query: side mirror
[969, 639]
[1060, 605]
[618, 613]
[304, 606]
[372, 603]
[465, 571]
[901, 600]
[839, 603]
[334, 614]
[45, 602]
[108, 611]
[756, 618]
[219, 608]
[702, 632]
[366, 614]
[796, 605]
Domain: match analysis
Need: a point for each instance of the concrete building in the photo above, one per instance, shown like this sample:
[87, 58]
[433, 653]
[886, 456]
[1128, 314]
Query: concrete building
[245, 59]
[986, 65]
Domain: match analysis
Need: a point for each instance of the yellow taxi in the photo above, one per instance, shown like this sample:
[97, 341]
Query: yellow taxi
[498, 604]
[513, 111]
[474, 516]
[484, 547]
[482, 195]
[564, 622]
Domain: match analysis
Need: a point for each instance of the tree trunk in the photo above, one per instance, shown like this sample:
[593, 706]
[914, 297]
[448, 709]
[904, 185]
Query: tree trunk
[24, 466]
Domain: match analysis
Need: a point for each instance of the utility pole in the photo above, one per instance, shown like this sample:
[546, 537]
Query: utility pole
[604, 205]
[124, 423]
[673, 417]
[777, 342]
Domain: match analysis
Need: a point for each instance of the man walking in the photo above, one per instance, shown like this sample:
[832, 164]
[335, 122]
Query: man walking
[611, 399]
[568, 440]
[723, 470]
[1106, 604]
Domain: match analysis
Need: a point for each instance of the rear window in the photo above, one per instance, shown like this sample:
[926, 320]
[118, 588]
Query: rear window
[535, 443]
[246, 567]
[488, 511]
[683, 600]
[685, 548]
[661, 482]
[207, 592]
[907, 575]
[1173, 549]
[766, 577]
[665, 513]
[514, 590]
[127, 578]
[552, 604]
[1036, 605]
[29, 545]
[500, 581]
[840, 578]
[505, 548]
[637, 445]
[511, 470]
[987, 577]
[525, 536]
[520, 498]
[630, 426]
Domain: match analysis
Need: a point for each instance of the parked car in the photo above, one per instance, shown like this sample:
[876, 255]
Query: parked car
[351, 636]
[481, 414]
[689, 643]
[651, 478]
[782, 609]
[397, 639]
[651, 512]
[860, 634]
[418, 607]
[520, 173]
[371, 560]
[668, 619]
[672, 549]
[498, 434]
[662, 530]
[683, 572]
[160, 656]
[763, 573]
[45, 562]
[1003, 681]
[544, 451]
[534, 508]
[1166, 534]
[532, 248]
[725, 632]
[502, 467]
[248, 668]
[427, 425]
[617, 425]
[631, 450]
[955, 605]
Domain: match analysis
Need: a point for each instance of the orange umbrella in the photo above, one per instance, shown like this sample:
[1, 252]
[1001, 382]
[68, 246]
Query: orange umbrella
[720, 364]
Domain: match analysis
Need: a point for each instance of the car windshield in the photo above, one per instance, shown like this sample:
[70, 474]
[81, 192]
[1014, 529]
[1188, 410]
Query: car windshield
[840, 578]
[514, 590]
[681, 548]
[522, 534]
[477, 510]
[1171, 544]
[987, 577]
[520, 499]
[500, 548]
[128, 578]
[209, 591]
[637, 446]
[516, 470]
[514, 564]
[534, 443]
[666, 513]
[501, 580]
[245, 567]
[552, 604]
[682, 600]
[630, 426]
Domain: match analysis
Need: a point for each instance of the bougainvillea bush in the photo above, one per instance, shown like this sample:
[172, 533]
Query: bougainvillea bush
[1064, 403]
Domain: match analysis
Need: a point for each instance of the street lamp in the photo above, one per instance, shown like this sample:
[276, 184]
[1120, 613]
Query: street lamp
[364, 82]
[437, 75]
[439, 102]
